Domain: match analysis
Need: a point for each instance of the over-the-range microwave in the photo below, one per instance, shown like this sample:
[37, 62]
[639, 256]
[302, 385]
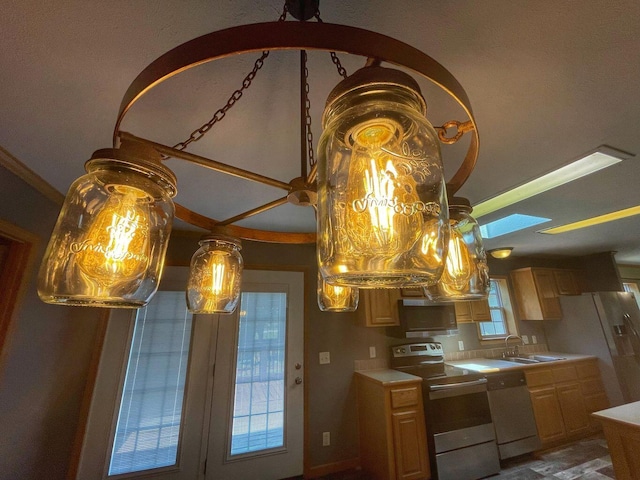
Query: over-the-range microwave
[420, 318]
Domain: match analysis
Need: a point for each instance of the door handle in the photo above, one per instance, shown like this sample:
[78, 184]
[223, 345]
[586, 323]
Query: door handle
[298, 380]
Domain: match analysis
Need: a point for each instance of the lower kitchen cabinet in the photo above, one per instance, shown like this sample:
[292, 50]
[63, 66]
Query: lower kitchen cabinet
[393, 440]
[546, 409]
[563, 398]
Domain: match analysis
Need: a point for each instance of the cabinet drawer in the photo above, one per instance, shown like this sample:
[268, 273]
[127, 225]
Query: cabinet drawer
[404, 397]
[539, 377]
[564, 374]
[591, 386]
[588, 369]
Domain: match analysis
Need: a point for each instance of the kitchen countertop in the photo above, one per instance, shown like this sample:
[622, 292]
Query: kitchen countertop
[628, 414]
[488, 365]
[388, 376]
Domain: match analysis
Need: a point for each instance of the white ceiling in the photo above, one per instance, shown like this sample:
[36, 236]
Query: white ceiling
[548, 82]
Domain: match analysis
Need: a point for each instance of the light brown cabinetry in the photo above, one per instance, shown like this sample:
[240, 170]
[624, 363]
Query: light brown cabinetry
[563, 397]
[472, 311]
[537, 290]
[393, 441]
[536, 294]
[379, 307]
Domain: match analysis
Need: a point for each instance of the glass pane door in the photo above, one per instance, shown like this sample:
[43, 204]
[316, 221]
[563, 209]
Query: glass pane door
[258, 413]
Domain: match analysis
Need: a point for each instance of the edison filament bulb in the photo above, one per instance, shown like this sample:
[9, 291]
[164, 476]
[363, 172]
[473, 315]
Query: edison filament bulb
[336, 298]
[107, 248]
[466, 274]
[382, 206]
[215, 275]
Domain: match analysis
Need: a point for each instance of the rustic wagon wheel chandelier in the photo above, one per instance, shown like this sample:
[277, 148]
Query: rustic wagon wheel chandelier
[400, 212]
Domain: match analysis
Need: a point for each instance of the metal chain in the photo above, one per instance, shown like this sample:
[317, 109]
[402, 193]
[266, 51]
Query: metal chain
[310, 157]
[334, 58]
[198, 133]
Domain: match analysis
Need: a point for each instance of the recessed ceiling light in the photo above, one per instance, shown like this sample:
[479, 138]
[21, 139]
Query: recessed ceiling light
[607, 217]
[510, 224]
[601, 158]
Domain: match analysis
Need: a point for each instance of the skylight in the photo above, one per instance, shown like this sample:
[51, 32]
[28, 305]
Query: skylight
[601, 158]
[510, 224]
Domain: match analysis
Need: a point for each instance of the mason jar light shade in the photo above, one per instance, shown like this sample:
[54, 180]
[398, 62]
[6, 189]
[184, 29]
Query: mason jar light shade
[335, 298]
[382, 206]
[108, 245]
[466, 274]
[215, 276]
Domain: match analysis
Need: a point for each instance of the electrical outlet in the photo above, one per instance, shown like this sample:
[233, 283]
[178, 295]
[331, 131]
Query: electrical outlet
[326, 439]
[534, 339]
[525, 339]
[460, 345]
[372, 352]
[325, 358]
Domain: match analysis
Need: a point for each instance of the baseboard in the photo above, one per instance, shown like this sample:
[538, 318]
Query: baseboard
[329, 468]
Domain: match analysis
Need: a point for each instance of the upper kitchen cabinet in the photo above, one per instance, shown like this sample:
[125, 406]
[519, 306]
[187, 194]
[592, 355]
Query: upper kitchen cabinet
[537, 290]
[379, 307]
[536, 294]
[472, 311]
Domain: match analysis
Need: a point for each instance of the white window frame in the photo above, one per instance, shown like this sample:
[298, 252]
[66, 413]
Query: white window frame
[632, 286]
[511, 325]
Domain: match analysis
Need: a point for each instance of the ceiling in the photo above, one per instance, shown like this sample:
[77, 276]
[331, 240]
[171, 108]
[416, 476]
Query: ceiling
[547, 81]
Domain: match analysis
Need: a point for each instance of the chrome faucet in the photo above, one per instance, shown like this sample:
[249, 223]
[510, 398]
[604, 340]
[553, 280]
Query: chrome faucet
[514, 352]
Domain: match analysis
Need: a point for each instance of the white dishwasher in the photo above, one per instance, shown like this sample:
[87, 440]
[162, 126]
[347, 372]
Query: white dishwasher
[512, 413]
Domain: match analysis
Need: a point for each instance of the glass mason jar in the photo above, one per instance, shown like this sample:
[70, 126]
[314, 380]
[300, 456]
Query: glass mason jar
[382, 206]
[334, 298]
[108, 246]
[215, 276]
[466, 274]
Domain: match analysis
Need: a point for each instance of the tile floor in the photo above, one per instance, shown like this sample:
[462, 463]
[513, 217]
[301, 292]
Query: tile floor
[586, 459]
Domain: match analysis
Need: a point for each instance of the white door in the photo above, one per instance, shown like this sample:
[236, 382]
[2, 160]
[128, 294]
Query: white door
[257, 409]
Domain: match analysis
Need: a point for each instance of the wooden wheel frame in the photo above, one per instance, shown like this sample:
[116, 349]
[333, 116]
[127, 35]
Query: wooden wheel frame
[288, 36]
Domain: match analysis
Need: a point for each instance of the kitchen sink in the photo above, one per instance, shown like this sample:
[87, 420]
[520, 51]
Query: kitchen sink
[529, 359]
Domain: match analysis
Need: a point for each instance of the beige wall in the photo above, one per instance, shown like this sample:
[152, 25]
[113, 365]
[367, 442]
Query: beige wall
[44, 363]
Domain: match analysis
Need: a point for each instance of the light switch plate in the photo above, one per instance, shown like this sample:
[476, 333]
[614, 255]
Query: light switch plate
[372, 352]
[325, 357]
[525, 339]
[460, 345]
[534, 339]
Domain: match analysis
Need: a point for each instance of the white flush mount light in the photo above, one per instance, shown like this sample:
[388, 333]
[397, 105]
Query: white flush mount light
[602, 157]
[589, 222]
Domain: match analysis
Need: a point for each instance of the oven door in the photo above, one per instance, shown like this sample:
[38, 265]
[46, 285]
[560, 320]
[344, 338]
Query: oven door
[454, 406]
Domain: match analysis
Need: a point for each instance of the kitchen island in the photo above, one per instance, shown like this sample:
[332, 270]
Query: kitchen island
[621, 427]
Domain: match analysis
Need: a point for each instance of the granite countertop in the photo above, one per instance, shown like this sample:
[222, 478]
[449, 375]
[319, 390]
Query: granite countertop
[628, 414]
[488, 365]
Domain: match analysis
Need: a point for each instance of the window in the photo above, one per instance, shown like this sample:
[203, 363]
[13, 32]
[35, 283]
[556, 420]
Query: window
[502, 320]
[151, 408]
[632, 287]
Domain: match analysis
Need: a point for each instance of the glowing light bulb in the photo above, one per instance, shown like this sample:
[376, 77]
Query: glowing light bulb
[215, 276]
[336, 298]
[382, 199]
[459, 266]
[116, 246]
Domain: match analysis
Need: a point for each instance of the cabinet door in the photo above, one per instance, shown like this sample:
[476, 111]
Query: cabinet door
[381, 307]
[546, 409]
[480, 311]
[566, 282]
[463, 312]
[410, 447]
[547, 294]
[574, 411]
